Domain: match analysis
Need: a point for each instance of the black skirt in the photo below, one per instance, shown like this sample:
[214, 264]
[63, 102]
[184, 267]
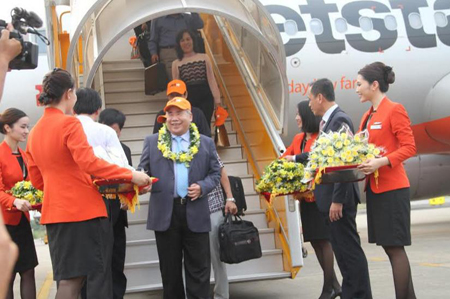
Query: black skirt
[78, 248]
[313, 222]
[22, 235]
[389, 217]
[200, 96]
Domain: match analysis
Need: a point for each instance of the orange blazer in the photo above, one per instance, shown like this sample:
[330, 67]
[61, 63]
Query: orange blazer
[390, 128]
[295, 147]
[10, 174]
[61, 162]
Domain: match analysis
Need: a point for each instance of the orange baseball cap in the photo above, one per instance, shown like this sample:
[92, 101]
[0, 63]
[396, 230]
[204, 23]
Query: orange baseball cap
[221, 115]
[179, 102]
[161, 119]
[177, 86]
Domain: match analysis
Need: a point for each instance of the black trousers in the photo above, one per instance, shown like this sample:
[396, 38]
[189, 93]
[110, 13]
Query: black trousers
[99, 284]
[179, 242]
[349, 255]
[119, 222]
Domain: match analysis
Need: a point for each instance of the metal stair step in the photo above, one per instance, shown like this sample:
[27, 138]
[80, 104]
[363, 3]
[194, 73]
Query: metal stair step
[129, 73]
[138, 107]
[121, 64]
[136, 131]
[137, 119]
[132, 96]
[236, 167]
[116, 84]
[252, 201]
[146, 250]
[140, 292]
[140, 274]
[233, 152]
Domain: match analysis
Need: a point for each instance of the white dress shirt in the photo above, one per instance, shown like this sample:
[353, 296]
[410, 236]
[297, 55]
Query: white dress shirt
[327, 114]
[104, 141]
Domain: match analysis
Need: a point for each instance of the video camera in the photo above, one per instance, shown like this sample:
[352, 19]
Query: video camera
[24, 22]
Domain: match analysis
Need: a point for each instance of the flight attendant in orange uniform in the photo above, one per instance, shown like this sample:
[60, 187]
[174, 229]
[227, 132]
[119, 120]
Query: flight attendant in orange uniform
[61, 163]
[388, 206]
[13, 169]
[314, 226]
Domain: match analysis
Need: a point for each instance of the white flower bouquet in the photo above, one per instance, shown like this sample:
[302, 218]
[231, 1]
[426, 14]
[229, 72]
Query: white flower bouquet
[335, 156]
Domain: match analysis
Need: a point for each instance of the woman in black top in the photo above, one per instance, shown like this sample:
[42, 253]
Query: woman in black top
[195, 69]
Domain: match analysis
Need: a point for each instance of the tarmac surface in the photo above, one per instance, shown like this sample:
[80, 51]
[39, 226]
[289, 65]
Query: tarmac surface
[429, 256]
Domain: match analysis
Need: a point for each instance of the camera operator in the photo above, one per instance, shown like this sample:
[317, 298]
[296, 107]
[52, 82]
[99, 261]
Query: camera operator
[9, 49]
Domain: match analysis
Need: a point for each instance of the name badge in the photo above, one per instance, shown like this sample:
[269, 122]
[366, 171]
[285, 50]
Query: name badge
[375, 127]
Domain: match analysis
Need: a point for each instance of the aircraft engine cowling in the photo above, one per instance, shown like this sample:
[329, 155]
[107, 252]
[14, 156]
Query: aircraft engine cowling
[433, 135]
[429, 176]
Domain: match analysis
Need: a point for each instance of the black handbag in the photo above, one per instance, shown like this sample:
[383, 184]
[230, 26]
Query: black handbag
[239, 240]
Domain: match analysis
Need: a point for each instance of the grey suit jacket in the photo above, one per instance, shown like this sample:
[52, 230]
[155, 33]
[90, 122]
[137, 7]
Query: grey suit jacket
[345, 193]
[204, 170]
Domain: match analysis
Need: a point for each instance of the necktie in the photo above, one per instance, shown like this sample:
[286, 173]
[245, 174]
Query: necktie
[181, 172]
[321, 125]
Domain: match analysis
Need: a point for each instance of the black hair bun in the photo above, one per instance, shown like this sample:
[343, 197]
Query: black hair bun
[389, 75]
[44, 99]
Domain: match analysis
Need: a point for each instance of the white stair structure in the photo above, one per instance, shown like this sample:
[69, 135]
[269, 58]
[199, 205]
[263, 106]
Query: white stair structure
[124, 90]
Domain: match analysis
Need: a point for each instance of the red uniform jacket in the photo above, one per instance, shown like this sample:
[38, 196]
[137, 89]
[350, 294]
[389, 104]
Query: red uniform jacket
[10, 174]
[390, 128]
[61, 162]
[294, 148]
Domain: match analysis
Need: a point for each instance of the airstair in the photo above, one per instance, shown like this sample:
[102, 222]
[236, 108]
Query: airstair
[248, 59]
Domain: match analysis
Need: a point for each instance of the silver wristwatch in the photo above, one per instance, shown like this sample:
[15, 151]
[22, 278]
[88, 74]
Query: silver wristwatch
[231, 199]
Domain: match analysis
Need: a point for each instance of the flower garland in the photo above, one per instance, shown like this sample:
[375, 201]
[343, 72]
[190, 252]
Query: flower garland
[165, 145]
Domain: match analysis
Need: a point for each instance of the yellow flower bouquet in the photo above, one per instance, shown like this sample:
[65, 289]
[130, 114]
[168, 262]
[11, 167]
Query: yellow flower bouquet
[334, 157]
[25, 190]
[281, 178]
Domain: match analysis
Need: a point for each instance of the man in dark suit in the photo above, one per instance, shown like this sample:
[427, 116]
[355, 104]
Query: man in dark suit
[338, 202]
[116, 120]
[178, 209]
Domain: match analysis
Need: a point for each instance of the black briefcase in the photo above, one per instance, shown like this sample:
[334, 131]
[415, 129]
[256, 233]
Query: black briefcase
[239, 240]
[155, 78]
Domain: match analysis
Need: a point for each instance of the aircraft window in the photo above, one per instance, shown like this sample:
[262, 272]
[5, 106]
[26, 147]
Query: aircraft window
[390, 22]
[341, 25]
[316, 26]
[290, 27]
[415, 20]
[366, 23]
[441, 19]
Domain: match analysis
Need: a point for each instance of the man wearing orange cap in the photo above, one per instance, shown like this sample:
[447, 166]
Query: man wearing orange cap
[186, 163]
[177, 88]
[216, 199]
